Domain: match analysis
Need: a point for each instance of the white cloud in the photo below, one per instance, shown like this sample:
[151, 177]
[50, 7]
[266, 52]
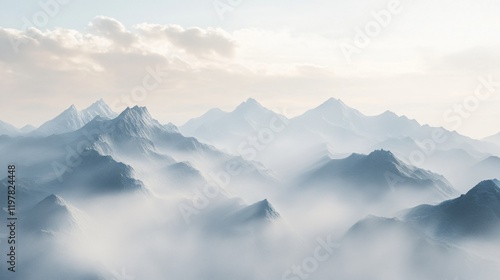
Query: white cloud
[197, 41]
[113, 30]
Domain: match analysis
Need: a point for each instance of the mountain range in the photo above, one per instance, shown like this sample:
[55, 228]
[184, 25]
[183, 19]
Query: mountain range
[333, 123]
[94, 186]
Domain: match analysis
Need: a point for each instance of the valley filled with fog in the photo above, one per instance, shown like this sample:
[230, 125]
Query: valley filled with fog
[250, 194]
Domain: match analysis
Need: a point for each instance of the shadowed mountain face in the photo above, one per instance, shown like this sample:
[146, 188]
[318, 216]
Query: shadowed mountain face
[232, 213]
[473, 215]
[426, 237]
[53, 214]
[95, 176]
[260, 211]
[374, 175]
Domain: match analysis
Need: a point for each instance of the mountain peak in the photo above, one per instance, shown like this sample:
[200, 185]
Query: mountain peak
[172, 128]
[72, 109]
[386, 161]
[389, 114]
[375, 174]
[474, 214]
[136, 111]
[98, 108]
[264, 203]
[382, 155]
[252, 101]
[264, 209]
[98, 103]
[485, 188]
[334, 103]
[335, 112]
[138, 122]
[52, 201]
[261, 211]
[213, 111]
[72, 119]
[52, 214]
[27, 128]
[249, 105]
[136, 115]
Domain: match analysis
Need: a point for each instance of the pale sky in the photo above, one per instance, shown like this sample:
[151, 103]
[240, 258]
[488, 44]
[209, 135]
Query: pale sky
[421, 59]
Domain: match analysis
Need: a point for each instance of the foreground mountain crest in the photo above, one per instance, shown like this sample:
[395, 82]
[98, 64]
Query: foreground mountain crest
[475, 214]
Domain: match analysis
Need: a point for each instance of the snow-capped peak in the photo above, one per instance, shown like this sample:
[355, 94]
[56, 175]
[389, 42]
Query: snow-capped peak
[136, 113]
[137, 121]
[99, 108]
[71, 119]
[71, 110]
